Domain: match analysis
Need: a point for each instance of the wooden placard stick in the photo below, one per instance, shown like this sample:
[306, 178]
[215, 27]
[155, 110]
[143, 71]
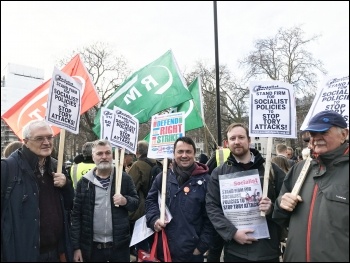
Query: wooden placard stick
[163, 194]
[116, 162]
[302, 176]
[119, 170]
[267, 170]
[61, 151]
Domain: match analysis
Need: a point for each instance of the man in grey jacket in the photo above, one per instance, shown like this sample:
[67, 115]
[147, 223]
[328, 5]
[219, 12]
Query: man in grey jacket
[318, 216]
[100, 222]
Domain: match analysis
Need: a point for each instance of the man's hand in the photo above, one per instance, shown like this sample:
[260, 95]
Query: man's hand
[265, 205]
[119, 199]
[78, 256]
[242, 236]
[158, 225]
[59, 179]
[289, 201]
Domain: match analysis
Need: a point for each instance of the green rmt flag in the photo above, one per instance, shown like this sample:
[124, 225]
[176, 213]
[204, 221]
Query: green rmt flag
[194, 117]
[154, 88]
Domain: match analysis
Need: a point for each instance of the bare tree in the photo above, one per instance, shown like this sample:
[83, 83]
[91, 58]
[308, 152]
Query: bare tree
[233, 98]
[108, 71]
[284, 57]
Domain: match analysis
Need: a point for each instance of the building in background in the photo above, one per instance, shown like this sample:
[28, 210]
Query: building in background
[16, 82]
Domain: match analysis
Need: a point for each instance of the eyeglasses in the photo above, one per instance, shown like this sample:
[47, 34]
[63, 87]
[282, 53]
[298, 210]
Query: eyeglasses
[41, 139]
[313, 134]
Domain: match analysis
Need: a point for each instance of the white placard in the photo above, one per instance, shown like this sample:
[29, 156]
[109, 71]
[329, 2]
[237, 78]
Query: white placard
[333, 95]
[240, 193]
[125, 128]
[165, 130]
[64, 102]
[272, 109]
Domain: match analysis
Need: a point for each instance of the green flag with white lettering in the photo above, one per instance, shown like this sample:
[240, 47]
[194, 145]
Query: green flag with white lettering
[154, 88]
[194, 117]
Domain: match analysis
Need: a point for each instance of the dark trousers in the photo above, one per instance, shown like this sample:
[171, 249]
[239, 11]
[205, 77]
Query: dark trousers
[232, 258]
[110, 254]
[214, 253]
[50, 256]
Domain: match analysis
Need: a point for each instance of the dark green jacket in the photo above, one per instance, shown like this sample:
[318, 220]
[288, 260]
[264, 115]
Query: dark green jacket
[318, 226]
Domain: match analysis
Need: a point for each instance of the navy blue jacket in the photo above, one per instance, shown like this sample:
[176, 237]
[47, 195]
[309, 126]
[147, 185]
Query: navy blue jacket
[190, 226]
[20, 214]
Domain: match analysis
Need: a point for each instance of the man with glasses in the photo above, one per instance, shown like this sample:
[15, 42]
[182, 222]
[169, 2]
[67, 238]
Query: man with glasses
[318, 216]
[35, 200]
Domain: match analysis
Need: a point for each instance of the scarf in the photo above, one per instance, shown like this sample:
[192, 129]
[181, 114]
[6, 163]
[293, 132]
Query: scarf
[183, 174]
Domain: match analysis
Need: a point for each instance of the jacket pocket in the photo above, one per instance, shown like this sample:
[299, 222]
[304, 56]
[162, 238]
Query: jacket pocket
[337, 193]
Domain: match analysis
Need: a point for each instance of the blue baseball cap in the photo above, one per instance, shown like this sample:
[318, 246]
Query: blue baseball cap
[324, 120]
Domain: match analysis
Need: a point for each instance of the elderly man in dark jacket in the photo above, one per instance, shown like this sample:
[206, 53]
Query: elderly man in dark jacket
[100, 222]
[318, 216]
[190, 231]
[35, 201]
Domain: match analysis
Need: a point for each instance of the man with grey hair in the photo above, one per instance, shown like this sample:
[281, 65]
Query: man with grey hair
[35, 200]
[320, 210]
[100, 223]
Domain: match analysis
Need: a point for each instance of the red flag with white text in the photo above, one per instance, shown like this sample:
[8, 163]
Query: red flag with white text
[33, 105]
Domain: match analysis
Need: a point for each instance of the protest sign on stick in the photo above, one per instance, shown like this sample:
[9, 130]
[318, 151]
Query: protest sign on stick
[63, 107]
[165, 130]
[272, 114]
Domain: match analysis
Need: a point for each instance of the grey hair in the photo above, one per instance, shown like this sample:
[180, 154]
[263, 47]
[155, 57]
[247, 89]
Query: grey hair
[100, 143]
[34, 124]
[142, 147]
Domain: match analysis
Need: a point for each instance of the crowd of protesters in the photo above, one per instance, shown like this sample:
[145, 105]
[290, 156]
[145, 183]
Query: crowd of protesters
[46, 216]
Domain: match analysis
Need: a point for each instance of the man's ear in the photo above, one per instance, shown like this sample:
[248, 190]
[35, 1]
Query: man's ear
[345, 133]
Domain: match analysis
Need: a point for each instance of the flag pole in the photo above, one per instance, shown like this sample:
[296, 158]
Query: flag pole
[217, 66]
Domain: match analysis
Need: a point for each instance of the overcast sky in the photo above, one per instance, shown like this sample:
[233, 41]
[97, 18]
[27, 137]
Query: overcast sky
[38, 34]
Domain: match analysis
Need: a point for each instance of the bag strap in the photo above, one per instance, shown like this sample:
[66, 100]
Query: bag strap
[153, 254]
[166, 251]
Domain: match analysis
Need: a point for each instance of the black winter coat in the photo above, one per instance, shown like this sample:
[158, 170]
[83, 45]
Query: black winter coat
[83, 214]
[263, 249]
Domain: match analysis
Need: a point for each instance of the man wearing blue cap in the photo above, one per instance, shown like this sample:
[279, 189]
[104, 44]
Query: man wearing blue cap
[318, 216]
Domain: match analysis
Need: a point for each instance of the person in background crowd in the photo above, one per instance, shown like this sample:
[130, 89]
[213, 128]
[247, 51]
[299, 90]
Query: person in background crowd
[128, 160]
[140, 172]
[100, 223]
[290, 154]
[79, 169]
[239, 245]
[282, 163]
[320, 211]
[11, 147]
[190, 231]
[203, 158]
[219, 157]
[34, 215]
[282, 150]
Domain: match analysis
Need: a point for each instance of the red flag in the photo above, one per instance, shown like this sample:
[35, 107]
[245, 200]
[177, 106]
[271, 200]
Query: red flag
[33, 105]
